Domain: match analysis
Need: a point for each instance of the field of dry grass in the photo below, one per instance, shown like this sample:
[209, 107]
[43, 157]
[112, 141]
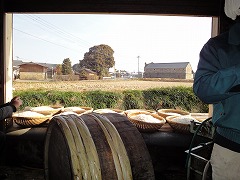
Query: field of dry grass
[105, 85]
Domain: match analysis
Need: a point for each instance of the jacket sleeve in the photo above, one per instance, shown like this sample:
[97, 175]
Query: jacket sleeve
[3, 105]
[212, 82]
[6, 112]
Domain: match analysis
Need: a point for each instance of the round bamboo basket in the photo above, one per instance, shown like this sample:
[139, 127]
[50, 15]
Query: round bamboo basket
[171, 112]
[178, 125]
[144, 126]
[47, 110]
[30, 121]
[78, 109]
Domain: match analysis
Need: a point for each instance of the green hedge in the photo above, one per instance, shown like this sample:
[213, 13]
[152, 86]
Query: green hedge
[176, 97]
[160, 98]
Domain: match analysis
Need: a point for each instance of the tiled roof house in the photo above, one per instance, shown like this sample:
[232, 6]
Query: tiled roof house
[34, 71]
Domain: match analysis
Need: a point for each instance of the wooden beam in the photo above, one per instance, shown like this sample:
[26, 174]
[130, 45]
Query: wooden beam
[8, 49]
[2, 73]
[166, 7]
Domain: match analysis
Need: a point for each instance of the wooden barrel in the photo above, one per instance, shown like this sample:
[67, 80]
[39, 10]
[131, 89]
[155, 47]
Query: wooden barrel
[95, 146]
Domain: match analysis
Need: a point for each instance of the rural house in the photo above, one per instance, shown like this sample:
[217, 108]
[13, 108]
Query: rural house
[87, 74]
[176, 70]
[33, 71]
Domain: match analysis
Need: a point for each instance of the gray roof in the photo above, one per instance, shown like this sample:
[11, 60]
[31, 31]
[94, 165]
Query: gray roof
[88, 70]
[33, 63]
[50, 66]
[17, 62]
[20, 62]
[167, 65]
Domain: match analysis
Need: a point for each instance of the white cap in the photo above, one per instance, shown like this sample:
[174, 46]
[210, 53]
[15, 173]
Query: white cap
[232, 8]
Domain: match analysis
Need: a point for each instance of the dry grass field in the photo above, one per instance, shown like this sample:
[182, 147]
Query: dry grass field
[105, 85]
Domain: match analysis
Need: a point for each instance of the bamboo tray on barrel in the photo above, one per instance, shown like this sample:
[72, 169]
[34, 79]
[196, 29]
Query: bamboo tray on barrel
[47, 110]
[139, 110]
[78, 109]
[103, 111]
[30, 121]
[146, 125]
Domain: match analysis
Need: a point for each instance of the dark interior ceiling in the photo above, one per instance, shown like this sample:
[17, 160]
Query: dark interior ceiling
[166, 7]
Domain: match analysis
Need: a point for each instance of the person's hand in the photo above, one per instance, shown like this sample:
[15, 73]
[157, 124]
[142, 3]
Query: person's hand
[16, 101]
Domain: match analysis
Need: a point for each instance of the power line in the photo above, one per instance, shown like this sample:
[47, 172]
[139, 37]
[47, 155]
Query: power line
[67, 33]
[56, 29]
[57, 33]
[43, 39]
[44, 25]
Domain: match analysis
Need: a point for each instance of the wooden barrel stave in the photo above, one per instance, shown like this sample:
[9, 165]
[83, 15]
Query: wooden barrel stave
[56, 156]
[138, 154]
[103, 148]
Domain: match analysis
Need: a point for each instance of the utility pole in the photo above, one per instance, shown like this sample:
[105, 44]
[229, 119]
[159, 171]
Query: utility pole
[138, 65]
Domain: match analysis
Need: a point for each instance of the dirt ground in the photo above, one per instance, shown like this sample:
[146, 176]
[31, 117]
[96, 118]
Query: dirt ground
[105, 85]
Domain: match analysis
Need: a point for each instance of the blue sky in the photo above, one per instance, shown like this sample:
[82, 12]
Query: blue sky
[51, 38]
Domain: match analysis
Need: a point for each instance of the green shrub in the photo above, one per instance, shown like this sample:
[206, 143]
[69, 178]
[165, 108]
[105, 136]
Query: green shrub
[133, 99]
[158, 98]
[102, 99]
[174, 98]
[40, 98]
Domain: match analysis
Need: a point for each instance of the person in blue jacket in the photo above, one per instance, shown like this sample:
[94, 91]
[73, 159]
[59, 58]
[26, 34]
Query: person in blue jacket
[217, 82]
